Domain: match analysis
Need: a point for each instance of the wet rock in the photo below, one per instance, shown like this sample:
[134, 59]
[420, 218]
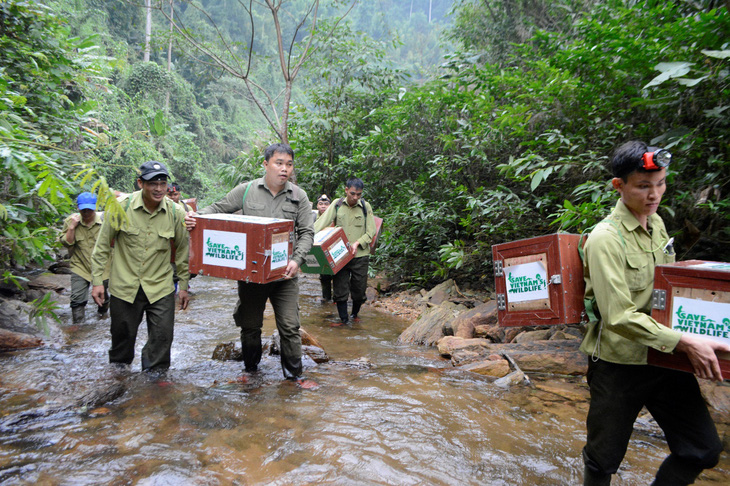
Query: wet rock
[316, 353]
[362, 363]
[227, 352]
[14, 317]
[482, 315]
[10, 340]
[308, 339]
[61, 267]
[531, 336]
[464, 351]
[371, 294]
[514, 378]
[557, 357]
[511, 333]
[310, 347]
[428, 329]
[51, 282]
[494, 333]
[562, 335]
[574, 392]
[496, 368]
[441, 293]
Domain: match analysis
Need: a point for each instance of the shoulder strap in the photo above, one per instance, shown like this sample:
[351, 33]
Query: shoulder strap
[243, 202]
[364, 211]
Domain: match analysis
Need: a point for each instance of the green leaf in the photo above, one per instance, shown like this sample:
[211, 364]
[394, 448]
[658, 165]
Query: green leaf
[717, 54]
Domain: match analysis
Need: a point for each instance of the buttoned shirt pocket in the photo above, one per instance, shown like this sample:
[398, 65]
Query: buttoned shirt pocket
[289, 210]
[358, 220]
[165, 237]
[130, 235]
[254, 208]
[639, 271]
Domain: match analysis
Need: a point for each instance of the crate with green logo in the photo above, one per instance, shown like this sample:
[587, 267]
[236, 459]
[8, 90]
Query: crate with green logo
[330, 252]
[238, 247]
[539, 281]
[692, 297]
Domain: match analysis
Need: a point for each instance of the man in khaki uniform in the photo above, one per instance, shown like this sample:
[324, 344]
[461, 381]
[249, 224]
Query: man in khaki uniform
[272, 196]
[79, 234]
[141, 276]
[621, 254]
[355, 216]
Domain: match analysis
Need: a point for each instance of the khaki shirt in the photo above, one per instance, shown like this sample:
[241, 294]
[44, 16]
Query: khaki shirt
[351, 220]
[290, 203]
[82, 246]
[141, 250]
[620, 256]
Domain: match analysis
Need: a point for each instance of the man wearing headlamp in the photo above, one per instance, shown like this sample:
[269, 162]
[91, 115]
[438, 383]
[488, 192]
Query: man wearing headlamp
[620, 256]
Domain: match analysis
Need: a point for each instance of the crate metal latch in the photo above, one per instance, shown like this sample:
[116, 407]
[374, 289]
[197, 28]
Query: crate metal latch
[659, 299]
[501, 302]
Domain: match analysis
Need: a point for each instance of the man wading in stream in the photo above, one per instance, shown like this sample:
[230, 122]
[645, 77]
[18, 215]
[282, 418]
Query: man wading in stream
[355, 216]
[79, 234]
[272, 196]
[141, 276]
[620, 255]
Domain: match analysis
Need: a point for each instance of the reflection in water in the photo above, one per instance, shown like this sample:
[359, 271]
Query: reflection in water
[408, 419]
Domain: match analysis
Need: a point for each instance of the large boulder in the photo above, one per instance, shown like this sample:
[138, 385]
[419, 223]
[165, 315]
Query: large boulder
[428, 329]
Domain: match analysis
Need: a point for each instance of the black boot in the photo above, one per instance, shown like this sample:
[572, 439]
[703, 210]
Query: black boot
[356, 308]
[342, 311]
[78, 314]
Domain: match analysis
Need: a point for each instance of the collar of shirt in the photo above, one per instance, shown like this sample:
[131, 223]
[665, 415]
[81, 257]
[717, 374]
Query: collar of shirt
[288, 187]
[629, 221]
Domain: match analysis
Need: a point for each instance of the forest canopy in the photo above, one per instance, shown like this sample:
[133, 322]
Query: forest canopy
[472, 122]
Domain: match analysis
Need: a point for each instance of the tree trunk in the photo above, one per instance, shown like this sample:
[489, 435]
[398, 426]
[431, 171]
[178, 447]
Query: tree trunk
[169, 56]
[147, 30]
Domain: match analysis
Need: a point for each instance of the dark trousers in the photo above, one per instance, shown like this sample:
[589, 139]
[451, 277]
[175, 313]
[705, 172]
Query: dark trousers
[80, 292]
[352, 280]
[249, 316]
[126, 318]
[618, 393]
[326, 283]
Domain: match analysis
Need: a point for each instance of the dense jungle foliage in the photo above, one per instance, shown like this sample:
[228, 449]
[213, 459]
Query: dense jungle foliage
[472, 122]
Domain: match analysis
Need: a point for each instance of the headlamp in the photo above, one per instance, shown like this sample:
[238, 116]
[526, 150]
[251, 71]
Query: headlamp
[657, 160]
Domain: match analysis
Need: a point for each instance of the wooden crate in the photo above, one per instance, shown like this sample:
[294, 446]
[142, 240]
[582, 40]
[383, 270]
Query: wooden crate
[330, 252]
[192, 203]
[378, 230]
[539, 281]
[237, 247]
[693, 297]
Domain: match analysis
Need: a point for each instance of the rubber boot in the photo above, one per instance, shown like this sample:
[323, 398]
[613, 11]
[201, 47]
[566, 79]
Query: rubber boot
[342, 311]
[356, 309]
[78, 314]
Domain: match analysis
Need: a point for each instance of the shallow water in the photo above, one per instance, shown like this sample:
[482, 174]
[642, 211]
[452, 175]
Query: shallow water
[408, 418]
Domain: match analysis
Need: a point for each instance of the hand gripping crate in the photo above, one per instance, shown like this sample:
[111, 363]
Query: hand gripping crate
[330, 252]
[539, 281]
[237, 247]
[692, 297]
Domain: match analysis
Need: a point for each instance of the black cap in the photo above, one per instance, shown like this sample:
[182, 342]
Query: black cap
[152, 170]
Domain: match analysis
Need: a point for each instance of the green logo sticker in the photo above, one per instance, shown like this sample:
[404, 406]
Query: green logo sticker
[222, 251]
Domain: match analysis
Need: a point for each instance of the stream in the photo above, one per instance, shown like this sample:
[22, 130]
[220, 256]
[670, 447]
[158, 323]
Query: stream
[384, 413]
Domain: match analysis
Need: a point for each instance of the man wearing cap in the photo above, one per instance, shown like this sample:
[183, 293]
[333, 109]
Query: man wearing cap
[620, 256]
[173, 192]
[79, 234]
[355, 216]
[141, 276]
[323, 202]
[272, 196]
